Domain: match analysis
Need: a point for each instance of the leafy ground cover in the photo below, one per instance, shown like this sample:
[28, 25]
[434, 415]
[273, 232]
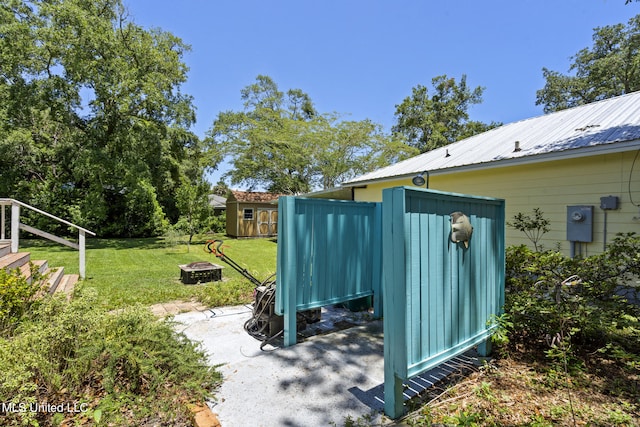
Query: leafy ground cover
[71, 363]
[145, 271]
[103, 358]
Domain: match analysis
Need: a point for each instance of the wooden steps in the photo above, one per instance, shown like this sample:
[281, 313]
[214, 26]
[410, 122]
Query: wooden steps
[42, 267]
[56, 279]
[17, 260]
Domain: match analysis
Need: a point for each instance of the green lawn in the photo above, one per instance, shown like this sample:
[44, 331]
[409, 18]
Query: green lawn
[145, 271]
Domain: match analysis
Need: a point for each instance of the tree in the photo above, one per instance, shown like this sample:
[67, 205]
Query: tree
[264, 141]
[94, 125]
[220, 189]
[193, 204]
[343, 149]
[609, 68]
[428, 122]
[281, 143]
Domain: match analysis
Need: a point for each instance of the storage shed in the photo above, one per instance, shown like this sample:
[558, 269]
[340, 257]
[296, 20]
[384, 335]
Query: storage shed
[252, 214]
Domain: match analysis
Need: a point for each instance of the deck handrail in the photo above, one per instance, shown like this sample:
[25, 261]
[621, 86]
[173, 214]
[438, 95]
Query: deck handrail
[16, 226]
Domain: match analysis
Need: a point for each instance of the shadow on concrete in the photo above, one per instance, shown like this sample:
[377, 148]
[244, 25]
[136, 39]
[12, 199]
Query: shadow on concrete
[336, 370]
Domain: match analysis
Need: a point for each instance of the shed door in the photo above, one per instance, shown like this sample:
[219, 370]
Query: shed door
[273, 226]
[267, 222]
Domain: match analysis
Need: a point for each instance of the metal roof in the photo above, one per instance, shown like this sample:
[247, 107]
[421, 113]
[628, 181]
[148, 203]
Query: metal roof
[217, 202]
[605, 126]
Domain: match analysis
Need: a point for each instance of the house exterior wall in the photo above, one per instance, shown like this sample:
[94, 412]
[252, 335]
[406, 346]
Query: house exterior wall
[550, 186]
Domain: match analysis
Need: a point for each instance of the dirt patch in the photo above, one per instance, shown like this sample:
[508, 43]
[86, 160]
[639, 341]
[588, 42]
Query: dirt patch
[176, 307]
[519, 391]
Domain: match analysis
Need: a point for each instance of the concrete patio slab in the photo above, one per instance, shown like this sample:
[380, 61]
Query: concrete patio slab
[332, 374]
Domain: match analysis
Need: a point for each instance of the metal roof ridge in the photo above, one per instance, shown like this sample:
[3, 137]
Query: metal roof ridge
[600, 123]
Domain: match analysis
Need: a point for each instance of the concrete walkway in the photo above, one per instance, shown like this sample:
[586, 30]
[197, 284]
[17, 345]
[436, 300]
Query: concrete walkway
[333, 375]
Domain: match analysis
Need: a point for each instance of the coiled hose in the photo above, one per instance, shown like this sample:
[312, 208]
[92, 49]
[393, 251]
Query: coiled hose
[258, 324]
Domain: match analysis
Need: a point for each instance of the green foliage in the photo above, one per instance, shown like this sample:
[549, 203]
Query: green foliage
[503, 329]
[143, 215]
[618, 418]
[631, 359]
[93, 119]
[428, 122]
[484, 391]
[534, 227]
[464, 418]
[569, 304]
[218, 223]
[17, 297]
[192, 202]
[363, 421]
[607, 69]
[343, 149]
[221, 189]
[280, 142]
[123, 367]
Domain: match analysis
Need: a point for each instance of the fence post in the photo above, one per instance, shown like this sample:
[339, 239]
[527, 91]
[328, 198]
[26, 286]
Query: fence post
[378, 244]
[485, 348]
[2, 223]
[15, 227]
[289, 286]
[394, 296]
[82, 255]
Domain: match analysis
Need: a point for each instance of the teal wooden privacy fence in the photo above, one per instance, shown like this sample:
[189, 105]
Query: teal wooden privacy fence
[438, 296]
[329, 251]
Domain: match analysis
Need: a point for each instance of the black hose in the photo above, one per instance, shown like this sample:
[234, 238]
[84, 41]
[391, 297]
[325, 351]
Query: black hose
[258, 324]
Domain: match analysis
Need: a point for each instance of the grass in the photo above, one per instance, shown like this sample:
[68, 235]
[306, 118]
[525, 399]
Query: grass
[145, 271]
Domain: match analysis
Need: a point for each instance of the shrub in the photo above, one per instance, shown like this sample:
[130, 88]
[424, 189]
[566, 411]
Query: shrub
[551, 298]
[124, 367]
[534, 227]
[218, 223]
[16, 296]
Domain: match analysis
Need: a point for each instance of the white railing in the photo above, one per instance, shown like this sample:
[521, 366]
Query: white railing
[16, 226]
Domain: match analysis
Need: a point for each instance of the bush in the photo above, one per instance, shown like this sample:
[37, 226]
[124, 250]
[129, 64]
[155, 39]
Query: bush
[218, 223]
[16, 297]
[123, 368]
[132, 210]
[534, 227]
[552, 299]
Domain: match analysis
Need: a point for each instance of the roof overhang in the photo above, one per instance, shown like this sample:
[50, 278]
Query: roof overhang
[340, 193]
[610, 148]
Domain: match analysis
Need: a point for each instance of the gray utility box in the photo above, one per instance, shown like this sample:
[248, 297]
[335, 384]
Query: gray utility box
[609, 202]
[580, 223]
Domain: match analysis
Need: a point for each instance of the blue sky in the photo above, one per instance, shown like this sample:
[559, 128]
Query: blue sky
[360, 58]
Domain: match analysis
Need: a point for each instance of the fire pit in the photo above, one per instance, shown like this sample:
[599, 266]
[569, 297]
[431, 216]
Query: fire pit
[200, 272]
